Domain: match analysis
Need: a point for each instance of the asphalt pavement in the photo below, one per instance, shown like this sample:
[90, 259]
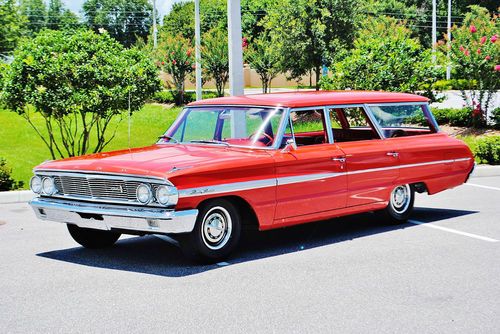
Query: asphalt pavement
[439, 273]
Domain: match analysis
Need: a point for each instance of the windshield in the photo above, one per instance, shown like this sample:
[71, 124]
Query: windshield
[235, 126]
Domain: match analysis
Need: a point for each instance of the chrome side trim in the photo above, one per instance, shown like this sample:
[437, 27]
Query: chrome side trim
[306, 178]
[265, 183]
[107, 217]
[226, 188]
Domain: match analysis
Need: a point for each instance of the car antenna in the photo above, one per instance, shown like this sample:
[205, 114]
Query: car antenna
[129, 119]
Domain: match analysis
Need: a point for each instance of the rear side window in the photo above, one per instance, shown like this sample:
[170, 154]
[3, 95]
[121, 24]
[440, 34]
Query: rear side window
[403, 120]
[351, 124]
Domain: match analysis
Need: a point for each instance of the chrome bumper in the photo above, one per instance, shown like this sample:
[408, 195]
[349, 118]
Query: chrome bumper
[107, 216]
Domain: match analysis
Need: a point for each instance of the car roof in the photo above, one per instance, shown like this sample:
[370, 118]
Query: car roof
[313, 98]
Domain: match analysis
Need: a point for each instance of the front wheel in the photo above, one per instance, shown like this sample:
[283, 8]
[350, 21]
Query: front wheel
[90, 238]
[400, 204]
[215, 234]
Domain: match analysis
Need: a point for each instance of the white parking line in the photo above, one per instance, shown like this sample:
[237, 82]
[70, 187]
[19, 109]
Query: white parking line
[481, 186]
[470, 235]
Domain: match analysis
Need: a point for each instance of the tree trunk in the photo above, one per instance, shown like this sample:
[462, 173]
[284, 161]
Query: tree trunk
[318, 76]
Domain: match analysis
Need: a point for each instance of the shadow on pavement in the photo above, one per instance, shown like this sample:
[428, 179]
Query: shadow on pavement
[150, 255]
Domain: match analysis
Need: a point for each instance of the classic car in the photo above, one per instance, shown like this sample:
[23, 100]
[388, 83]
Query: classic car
[264, 161]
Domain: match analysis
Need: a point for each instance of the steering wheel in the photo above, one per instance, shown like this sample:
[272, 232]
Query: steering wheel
[398, 133]
[263, 135]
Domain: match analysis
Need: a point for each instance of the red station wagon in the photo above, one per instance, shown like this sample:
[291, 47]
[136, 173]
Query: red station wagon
[270, 161]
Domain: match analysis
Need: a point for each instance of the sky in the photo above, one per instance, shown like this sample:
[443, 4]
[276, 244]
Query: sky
[162, 5]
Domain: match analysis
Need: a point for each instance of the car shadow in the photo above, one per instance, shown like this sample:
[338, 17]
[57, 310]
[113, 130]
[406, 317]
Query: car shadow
[154, 256]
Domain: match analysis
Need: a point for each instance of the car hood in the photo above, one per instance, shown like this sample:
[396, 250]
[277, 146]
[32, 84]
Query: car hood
[159, 160]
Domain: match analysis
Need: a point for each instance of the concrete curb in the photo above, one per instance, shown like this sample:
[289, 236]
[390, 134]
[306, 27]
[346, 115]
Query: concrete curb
[7, 197]
[16, 196]
[486, 170]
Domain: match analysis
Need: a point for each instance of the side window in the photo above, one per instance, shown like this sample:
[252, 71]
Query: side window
[351, 124]
[309, 127]
[403, 120]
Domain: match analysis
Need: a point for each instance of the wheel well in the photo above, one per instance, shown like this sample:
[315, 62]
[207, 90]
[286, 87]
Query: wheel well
[247, 214]
[420, 187]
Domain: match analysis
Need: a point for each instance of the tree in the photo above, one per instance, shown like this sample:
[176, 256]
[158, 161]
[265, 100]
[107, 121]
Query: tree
[36, 14]
[215, 60]
[310, 33]
[77, 83]
[11, 25]
[384, 57]
[125, 20]
[59, 17]
[475, 55]
[175, 56]
[264, 58]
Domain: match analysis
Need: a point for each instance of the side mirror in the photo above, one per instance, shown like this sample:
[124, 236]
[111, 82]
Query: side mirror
[290, 146]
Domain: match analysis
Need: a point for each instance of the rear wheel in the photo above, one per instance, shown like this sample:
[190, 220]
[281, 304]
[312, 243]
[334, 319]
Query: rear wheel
[400, 204]
[90, 238]
[216, 232]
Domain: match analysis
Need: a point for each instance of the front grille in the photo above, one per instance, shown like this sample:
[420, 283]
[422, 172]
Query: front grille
[98, 188]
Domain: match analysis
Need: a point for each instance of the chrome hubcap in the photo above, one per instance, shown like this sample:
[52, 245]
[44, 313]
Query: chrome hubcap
[400, 198]
[216, 228]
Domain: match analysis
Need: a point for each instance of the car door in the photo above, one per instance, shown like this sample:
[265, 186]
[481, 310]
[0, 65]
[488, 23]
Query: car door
[372, 163]
[311, 178]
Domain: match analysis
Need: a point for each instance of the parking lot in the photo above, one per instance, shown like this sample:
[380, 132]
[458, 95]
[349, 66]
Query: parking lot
[440, 273]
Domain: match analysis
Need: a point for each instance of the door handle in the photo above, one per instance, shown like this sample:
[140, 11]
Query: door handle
[393, 154]
[339, 159]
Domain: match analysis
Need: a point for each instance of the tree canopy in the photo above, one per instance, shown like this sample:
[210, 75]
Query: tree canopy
[124, 20]
[77, 82]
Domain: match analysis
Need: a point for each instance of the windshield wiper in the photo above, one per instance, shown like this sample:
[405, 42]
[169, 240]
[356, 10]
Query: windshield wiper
[169, 138]
[206, 141]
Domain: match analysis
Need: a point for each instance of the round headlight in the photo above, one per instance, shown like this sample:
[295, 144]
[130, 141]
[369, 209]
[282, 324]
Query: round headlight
[48, 186]
[166, 195]
[144, 194]
[36, 184]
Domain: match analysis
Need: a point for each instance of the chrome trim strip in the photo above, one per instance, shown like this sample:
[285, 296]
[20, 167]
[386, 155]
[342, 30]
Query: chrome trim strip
[306, 178]
[115, 216]
[265, 183]
[226, 188]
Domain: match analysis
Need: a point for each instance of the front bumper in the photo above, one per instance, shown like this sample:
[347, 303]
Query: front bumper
[108, 216]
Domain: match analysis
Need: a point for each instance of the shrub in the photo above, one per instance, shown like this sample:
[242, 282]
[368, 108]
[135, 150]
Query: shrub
[6, 181]
[454, 84]
[454, 117]
[168, 96]
[495, 117]
[487, 150]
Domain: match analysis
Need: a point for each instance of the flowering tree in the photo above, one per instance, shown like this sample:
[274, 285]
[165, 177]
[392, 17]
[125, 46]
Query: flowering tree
[176, 57]
[475, 56]
[264, 58]
[215, 59]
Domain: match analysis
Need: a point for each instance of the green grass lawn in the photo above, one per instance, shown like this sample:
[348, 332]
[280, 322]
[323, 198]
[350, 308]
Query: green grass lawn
[23, 149]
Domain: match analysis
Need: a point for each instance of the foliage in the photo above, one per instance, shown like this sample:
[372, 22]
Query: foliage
[215, 59]
[310, 34]
[168, 96]
[453, 117]
[125, 20]
[36, 13]
[454, 84]
[487, 150]
[6, 181]
[384, 57]
[78, 82]
[475, 55]
[495, 117]
[11, 25]
[59, 17]
[175, 56]
[264, 58]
